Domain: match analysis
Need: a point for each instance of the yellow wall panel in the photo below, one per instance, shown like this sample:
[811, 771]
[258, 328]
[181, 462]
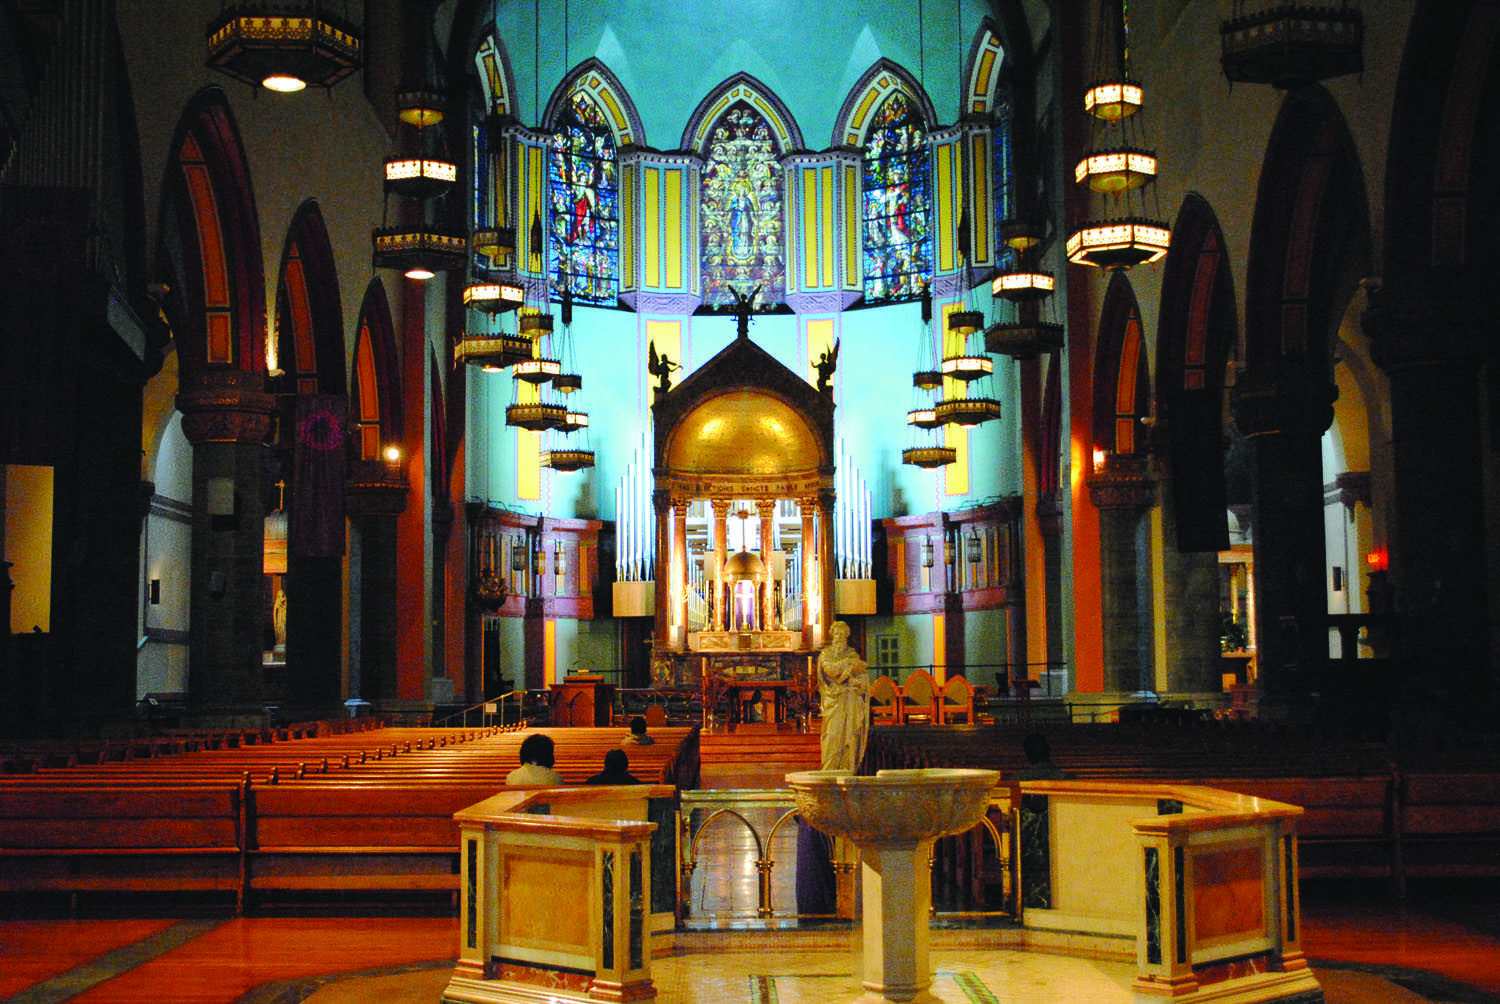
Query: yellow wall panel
[28, 544]
[820, 334]
[672, 227]
[853, 216]
[651, 227]
[809, 229]
[549, 651]
[627, 228]
[979, 220]
[529, 465]
[947, 178]
[827, 228]
[956, 481]
[667, 337]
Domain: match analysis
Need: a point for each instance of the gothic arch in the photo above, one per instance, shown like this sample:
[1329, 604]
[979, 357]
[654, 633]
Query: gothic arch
[742, 87]
[376, 394]
[309, 318]
[881, 80]
[1122, 384]
[212, 241]
[1309, 247]
[1196, 334]
[497, 81]
[593, 78]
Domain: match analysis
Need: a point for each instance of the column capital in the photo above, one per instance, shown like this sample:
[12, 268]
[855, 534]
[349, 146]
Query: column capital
[225, 406]
[1296, 403]
[1123, 481]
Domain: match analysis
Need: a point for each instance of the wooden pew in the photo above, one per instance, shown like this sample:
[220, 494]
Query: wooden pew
[1448, 825]
[143, 838]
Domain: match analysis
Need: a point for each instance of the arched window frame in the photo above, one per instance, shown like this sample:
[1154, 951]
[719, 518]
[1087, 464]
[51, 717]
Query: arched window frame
[589, 99]
[864, 123]
[765, 262]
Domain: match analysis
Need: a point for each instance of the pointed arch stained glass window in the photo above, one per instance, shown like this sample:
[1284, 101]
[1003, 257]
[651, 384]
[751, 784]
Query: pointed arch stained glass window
[584, 193]
[740, 210]
[898, 201]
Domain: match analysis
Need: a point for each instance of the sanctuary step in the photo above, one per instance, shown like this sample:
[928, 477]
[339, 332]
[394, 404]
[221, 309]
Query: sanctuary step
[754, 758]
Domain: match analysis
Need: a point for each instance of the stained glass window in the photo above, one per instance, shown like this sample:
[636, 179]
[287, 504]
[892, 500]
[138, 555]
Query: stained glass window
[584, 191]
[898, 200]
[1007, 198]
[740, 210]
[481, 177]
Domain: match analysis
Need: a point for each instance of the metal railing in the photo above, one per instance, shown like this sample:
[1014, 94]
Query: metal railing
[726, 837]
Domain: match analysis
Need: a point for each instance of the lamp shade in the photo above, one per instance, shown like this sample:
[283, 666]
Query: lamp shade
[283, 47]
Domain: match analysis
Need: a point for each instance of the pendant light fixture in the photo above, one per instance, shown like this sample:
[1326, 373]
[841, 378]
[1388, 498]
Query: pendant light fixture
[419, 171]
[1117, 165]
[925, 448]
[283, 47]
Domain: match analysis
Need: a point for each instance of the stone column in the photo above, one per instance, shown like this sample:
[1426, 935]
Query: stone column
[679, 551]
[809, 542]
[1428, 334]
[1285, 425]
[825, 565]
[720, 605]
[1123, 491]
[226, 416]
[661, 502]
[374, 495]
[766, 509]
[1191, 612]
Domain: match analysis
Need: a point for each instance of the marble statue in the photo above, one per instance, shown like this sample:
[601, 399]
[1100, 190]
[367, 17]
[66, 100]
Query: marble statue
[844, 688]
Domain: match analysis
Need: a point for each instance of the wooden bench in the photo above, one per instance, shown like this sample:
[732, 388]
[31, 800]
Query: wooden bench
[143, 838]
[1449, 825]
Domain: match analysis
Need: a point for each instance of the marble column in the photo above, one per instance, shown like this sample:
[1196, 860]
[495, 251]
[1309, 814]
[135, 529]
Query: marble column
[226, 416]
[680, 570]
[1123, 491]
[825, 571]
[721, 605]
[809, 542]
[766, 509]
[661, 502]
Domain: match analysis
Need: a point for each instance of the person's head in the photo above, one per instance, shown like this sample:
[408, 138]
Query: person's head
[638, 726]
[616, 762]
[537, 748]
[838, 632]
[1036, 748]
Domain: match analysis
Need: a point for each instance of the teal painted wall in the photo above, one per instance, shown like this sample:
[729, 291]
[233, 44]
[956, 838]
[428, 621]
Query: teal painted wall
[809, 54]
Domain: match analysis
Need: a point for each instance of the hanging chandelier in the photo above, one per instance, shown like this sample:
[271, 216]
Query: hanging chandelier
[1118, 165]
[925, 447]
[419, 250]
[283, 47]
[1291, 44]
[1028, 336]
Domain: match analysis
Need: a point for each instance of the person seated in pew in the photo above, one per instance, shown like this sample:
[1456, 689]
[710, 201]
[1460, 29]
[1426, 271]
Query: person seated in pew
[537, 757]
[616, 770]
[637, 736]
[1039, 765]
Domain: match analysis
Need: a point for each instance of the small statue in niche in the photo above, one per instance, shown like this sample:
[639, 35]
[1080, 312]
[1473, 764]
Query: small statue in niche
[844, 688]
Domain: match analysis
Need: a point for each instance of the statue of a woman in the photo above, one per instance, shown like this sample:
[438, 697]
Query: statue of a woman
[845, 691]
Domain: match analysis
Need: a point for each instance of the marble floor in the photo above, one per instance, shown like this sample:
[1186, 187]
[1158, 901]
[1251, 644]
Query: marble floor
[1364, 951]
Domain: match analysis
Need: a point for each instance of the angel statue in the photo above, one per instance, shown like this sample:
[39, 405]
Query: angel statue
[828, 361]
[744, 306]
[661, 366]
[844, 687]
